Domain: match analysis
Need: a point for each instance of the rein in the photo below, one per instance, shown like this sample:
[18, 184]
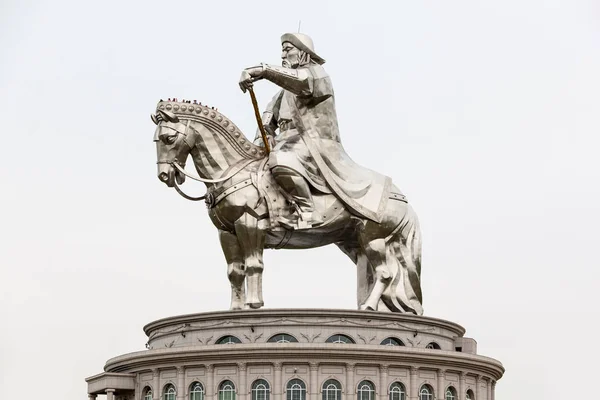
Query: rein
[185, 196]
[180, 168]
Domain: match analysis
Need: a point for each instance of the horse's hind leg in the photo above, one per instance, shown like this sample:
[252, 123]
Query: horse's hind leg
[364, 275]
[235, 268]
[252, 241]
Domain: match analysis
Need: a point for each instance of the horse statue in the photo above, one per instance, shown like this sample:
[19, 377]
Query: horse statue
[252, 214]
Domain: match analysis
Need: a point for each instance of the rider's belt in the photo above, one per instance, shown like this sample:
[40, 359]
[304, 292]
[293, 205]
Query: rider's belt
[286, 124]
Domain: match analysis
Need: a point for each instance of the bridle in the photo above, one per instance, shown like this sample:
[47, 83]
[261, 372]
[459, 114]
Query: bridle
[182, 129]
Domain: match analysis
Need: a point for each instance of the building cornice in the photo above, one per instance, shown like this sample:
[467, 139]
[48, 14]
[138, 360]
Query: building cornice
[306, 352]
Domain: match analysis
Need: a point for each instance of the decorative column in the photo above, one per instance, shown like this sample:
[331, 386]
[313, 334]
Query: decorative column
[110, 394]
[313, 384]
[277, 381]
[477, 387]
[441, 375]
[181, 389]
[243, 392]
[489, 389]
[461, 386]
[383, 382]
[493, 390]
[413, 383]
[350, 381]
[210, 382]
[155, 384]
[92, 396]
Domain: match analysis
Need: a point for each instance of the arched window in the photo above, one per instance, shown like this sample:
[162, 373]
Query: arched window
[282, 338]
[470, 395]
[332, 390]
[226, 391]
[260, 390]
[169, 392]
[451, 394]
[296, 390]
[366, 391]
[147, 393]
[397, 391]
[196, 391]
[434, 346]
[391, 341]
[426, 393]
[228, 340]
[339, 339]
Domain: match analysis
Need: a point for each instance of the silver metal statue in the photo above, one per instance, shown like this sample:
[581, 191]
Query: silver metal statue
[306, 192]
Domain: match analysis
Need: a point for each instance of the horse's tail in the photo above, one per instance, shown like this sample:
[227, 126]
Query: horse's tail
[403, 249]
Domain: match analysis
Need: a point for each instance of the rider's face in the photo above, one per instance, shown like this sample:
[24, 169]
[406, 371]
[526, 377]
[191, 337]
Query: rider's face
[290, 55]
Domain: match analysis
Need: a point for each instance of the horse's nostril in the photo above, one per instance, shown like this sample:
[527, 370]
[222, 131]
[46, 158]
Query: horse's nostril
[163, 177]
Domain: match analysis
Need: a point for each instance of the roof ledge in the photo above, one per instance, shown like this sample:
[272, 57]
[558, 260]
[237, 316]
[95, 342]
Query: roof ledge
[98, 384]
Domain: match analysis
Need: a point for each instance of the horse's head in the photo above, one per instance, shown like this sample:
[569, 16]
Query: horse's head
[174, 140]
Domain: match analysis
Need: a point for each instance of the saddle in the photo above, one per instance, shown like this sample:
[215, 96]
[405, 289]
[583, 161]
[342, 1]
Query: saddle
[284, 213]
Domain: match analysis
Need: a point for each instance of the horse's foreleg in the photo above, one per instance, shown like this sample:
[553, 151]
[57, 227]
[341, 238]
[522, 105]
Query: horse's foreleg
[252, 242]
[235, 268]
[375, 250]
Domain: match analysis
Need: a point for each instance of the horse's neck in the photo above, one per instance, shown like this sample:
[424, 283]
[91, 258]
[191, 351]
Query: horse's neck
[215, 152]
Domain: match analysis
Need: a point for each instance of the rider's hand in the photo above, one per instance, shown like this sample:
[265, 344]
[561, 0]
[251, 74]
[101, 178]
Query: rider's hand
[259, 140]
[250, 75]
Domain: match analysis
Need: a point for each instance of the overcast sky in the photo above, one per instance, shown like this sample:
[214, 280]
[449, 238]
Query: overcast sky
[485, 114]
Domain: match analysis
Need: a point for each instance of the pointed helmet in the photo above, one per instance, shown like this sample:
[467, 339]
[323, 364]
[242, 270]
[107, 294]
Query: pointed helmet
[304, 43]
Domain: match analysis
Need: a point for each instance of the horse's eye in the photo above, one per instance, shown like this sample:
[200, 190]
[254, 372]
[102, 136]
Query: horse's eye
[171, 139]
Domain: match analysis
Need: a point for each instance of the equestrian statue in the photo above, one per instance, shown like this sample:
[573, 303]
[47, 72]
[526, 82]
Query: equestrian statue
[294, 187]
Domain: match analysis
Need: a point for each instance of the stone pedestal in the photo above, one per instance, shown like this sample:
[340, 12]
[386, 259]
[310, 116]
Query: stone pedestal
[341, 345]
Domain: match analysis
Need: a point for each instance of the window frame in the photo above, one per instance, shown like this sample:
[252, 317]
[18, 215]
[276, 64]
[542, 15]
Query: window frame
[289, 389]
[370, 391]
[169, 392]
[450, 390]
[254, 391]
[285, 338]
[401, 391]
[193, 392]
[230, 337]
[147, 392]
[399, 342]
[326, 390]
[429, 395]
[222, 392]
[337, 341]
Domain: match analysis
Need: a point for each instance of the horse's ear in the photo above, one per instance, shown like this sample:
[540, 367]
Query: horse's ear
[154, 119]
[169, 116]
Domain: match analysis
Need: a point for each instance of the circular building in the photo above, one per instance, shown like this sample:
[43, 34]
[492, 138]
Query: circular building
[300, 354]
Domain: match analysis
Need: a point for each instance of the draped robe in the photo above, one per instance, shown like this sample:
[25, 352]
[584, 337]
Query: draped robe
[309, 143]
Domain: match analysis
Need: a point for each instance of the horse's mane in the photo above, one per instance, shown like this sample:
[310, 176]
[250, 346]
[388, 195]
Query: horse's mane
[217, 122]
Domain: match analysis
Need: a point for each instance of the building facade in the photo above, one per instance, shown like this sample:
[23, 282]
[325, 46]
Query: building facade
[300, 354]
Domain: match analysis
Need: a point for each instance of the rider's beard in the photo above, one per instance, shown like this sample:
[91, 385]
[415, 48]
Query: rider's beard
[296, 61]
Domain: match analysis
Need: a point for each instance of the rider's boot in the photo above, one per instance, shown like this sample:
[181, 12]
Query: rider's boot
[297, 187]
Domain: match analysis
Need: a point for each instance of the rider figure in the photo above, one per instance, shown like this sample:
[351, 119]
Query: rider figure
[308, 151]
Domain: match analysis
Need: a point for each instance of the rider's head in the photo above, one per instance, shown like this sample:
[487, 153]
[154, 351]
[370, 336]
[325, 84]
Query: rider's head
[297, 50]
[293, 57]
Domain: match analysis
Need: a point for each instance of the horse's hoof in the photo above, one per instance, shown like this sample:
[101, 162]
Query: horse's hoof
[365, 307]
[256, 304]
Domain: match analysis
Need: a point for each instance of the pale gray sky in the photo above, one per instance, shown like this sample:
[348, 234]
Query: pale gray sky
[486, 114]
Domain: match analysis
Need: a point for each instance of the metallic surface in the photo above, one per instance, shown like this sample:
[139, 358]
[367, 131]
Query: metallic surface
[261, 128]
[306, 193]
